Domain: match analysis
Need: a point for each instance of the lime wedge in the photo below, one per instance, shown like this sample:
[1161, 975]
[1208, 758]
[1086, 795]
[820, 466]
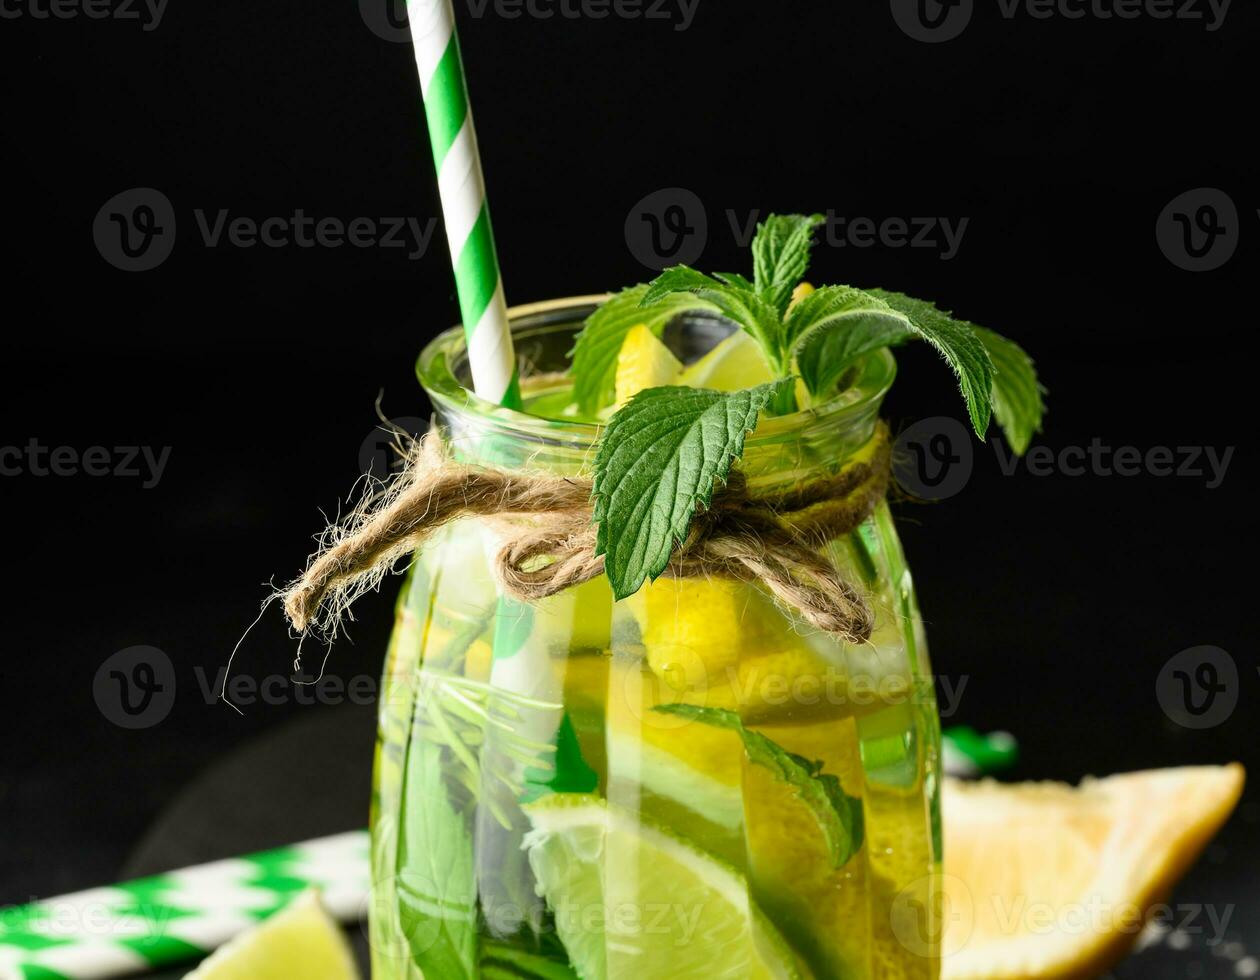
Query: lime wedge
[632, 900]
[735, 363]
[300, 941]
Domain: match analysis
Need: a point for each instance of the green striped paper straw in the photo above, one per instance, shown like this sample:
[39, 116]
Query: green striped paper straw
[463, 191]
[967, 753]
[179, 916]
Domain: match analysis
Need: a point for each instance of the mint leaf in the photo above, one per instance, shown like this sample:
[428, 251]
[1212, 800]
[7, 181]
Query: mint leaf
[679, 278]
[835, 325]
[839, 816]
[658, 460]
[733, 300]
[595, 351]
[512, 963]
[435, 872]
[1018, 404]
[827, 354]
[957, 342]
[829, 305]
[781, 256]
[734, 279]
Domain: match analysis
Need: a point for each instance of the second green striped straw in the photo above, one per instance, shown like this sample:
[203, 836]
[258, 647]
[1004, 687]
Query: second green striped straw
[463, 191]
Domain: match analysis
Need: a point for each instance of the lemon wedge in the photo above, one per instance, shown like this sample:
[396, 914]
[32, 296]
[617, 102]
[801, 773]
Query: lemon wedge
[802, 290]
[1047, 880]
[300, 941]
[644, 362]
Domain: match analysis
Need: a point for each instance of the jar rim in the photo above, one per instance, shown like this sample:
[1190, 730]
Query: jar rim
[446, 353]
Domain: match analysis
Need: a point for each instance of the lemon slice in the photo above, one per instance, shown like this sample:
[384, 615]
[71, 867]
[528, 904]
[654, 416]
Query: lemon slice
[1046, 880]
[697, 629]
[300, 941]
[644, 362]
[631, 900]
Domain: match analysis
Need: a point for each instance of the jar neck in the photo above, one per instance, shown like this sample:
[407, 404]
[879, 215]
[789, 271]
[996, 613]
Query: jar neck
[784, 449]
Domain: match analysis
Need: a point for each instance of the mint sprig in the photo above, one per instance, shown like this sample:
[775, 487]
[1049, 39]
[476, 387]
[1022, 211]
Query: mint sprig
[838, 815]
[659, 459]
[819, 338]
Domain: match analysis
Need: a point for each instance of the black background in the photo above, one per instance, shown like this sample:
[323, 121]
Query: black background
[1058, 598]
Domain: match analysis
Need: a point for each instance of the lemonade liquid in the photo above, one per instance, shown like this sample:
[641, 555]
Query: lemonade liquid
[538, 809]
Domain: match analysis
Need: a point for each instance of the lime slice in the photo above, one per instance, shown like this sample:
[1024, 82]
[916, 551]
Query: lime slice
[735, 363]
[644, 362]
[632, 900]
[300, 941]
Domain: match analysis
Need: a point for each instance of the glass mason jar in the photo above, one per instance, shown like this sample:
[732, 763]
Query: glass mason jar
[548, 804]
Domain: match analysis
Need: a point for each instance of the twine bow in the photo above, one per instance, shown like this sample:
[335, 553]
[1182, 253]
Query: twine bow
[549, 540]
